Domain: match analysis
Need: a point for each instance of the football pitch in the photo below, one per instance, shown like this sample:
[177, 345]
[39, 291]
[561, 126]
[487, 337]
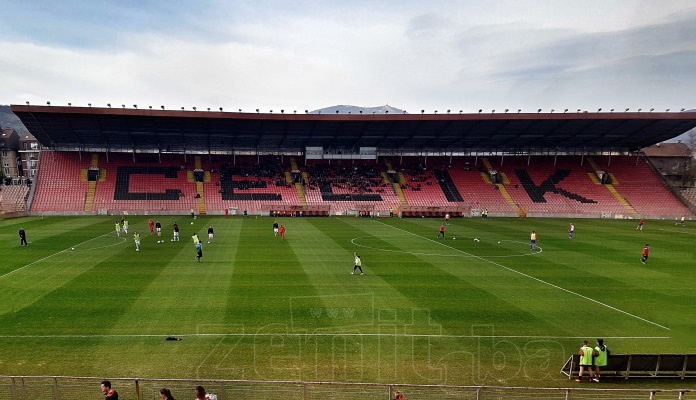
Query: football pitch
[80, 301]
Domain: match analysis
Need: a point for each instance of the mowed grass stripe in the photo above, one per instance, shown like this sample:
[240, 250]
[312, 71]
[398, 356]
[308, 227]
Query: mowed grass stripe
[561, 291]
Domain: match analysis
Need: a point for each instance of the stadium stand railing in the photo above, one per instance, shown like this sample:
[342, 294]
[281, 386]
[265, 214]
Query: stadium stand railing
[68, 388]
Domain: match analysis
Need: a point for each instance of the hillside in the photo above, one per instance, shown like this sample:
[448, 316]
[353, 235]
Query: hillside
[9, 120]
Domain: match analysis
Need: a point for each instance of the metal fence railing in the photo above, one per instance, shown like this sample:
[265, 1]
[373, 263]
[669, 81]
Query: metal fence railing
[69, 388]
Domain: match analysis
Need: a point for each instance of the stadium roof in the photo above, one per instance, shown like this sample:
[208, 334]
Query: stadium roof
[114, 129]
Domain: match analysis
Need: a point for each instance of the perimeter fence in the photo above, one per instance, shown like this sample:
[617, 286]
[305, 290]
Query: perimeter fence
[70, 388]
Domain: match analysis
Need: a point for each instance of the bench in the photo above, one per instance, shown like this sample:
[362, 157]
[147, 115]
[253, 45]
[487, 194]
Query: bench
[640, 366]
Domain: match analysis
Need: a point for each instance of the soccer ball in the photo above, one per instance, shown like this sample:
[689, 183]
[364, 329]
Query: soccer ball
[498, 241]
[191, 223]
[476, 240]
[72, 248]
[172, 240]
[453, 238]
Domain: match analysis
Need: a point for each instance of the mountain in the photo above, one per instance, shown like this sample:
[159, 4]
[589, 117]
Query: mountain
[9, 120]
[345, 109]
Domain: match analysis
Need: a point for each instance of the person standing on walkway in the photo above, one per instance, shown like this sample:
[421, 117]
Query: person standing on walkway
[586, 354]
[601, 358]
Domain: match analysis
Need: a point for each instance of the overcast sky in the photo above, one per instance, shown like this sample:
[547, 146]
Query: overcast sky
[432, 55]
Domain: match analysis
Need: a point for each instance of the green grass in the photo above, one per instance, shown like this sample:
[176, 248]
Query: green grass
[427, 310]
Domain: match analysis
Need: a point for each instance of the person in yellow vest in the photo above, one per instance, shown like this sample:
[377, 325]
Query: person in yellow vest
[586, 354]
[601, 358]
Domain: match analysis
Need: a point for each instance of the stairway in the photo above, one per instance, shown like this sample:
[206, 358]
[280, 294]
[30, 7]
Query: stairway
[447, 185]
[199, 187]
[92, 185]
[501, 187]
[610, 187]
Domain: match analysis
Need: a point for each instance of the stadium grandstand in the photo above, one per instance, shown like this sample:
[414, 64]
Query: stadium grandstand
[114, 160]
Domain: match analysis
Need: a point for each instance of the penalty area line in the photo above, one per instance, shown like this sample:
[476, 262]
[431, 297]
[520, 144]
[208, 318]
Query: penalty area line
[52, 255]
[534, 278]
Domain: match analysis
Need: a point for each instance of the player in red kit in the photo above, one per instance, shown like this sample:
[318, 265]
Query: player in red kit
[152, 226]
[646, 251]
[281, 230]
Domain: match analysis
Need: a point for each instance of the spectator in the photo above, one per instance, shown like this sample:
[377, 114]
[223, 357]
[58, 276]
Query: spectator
[109, 393]
[166, 394]
[202, 395]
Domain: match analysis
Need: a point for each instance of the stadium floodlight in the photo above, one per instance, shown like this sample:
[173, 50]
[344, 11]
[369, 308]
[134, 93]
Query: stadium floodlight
[538, 111]
[552, 110]
[667, 110]
[319, 111]
[48, 103]
[506, 110]
[135, 106]
[565, 111]
[387, 111]
[221, 109]
[294, 111]
[162, 107]
[640, 109]
[257, 110]
[271, 111]
[460, 111]
[27, 103]
[336, 111]
[448, 111]
[683, 109]
[182, 108]
[208, 108]
[626, 110]
[652, 109]
[579, 110]
[373, 113]
[89, 104]
[519, 110]
[480, 111]
[493, 111]
[307, 111]
[69, 104]
[282, 111]
[423, 111]
[349, 113]
[194, 108]
[150, 107]
[599, 109]
[123, 106]
[109, 105]
[612, 110]
[435, 111]
[360, 111]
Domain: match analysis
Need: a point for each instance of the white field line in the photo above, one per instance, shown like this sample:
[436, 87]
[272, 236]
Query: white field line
[320, 334]
[54, 254]
[534, 278]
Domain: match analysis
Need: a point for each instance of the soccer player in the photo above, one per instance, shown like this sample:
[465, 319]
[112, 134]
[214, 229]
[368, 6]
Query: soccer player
[447, 217]
[158, 228]
[646, 252]
[151, 225]
[640, 225]
[442, 231]
[532, 240]
[202, 395]
[176, 232]
[193, 215]
[586, 353]
[275, 228]
[118, 229]
[22, 237]
[210, 234]
[601, 357]
[125, 226]
[358, 264]
[682, 220]
[282, 232]
[136, 238]
[195, 238]
[571, 229]
[199, 251]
